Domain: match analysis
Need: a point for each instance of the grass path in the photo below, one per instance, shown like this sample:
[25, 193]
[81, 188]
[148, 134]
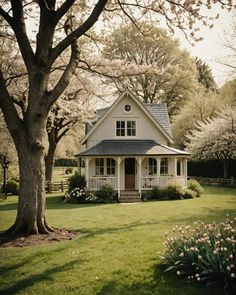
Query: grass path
[118, 252]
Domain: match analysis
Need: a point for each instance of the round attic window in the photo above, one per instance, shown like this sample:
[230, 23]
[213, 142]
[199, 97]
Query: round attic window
[127, 108]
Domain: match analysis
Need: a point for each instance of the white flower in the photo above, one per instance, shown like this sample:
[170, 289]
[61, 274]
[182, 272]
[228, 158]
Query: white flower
[232, 275]
[178, 273]
[181, 254]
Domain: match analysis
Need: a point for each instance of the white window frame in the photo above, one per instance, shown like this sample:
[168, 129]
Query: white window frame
[100, 166]
[111, 166]
[126, 128]
[180, 161]
[164, 163]
[152, 166]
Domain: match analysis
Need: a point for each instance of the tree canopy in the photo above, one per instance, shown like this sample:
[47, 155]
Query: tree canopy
[215, 138]
[43, 32]
[170, 74]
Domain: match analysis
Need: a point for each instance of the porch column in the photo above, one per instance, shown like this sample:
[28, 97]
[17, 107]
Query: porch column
[87, 171]
[175, 168]
[118, 160]
[158, 160]
[78, 164]
[185, 160]
[140, 159]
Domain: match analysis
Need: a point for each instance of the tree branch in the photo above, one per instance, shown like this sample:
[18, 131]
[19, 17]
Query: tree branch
[63, 10]
[91, 20]
[6, 16]
[67, 74]
[19, 29]
[6, 104]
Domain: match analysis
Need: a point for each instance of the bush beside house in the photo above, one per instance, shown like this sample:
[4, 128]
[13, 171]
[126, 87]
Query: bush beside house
[175, 192]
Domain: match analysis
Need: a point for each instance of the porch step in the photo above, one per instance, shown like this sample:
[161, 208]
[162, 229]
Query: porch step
[129, 197]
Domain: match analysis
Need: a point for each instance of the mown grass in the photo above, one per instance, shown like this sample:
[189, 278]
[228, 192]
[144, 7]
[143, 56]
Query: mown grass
[118, 252]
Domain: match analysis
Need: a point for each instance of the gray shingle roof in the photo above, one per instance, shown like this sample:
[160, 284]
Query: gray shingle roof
[130, 148]
[158, 111]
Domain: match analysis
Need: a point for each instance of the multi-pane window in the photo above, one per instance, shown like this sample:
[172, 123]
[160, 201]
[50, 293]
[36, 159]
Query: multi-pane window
[99, 166]
[131, 128]
[120, 128]
[164, 166]
[125, 128]
[111, 166]
[152, 166]
[179, 167]
[105, 167]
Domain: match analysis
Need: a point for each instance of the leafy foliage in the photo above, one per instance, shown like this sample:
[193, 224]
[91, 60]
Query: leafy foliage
[215, 138]
[168, 72]
[12, 187]
[204, 75]
[76, 181]
[106, 193]
[204, 253]
[195, 186]
[174, 191]
[79, 195]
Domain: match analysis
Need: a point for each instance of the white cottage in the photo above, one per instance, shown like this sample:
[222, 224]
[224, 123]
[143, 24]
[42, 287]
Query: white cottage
[129, 147]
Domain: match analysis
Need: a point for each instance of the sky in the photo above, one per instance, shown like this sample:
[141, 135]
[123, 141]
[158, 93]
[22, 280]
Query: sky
[211, 48]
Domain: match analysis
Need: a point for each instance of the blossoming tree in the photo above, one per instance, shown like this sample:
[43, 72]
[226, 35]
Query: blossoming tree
[215, 138]
[26, 116]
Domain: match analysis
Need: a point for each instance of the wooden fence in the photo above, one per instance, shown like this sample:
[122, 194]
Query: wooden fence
[60, 186]
[228, 182]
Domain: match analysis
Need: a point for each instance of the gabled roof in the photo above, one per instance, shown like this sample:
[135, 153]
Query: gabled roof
[156, 112]
[131, 148]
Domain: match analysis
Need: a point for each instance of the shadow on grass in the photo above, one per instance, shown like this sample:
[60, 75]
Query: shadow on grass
[31, 279]
[207, 216]
[37, 278]
[160, 283]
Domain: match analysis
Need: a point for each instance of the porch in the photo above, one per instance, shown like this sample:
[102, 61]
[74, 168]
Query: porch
[133, 173]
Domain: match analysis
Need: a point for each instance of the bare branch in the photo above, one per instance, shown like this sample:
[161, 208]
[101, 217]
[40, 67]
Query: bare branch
[63, 10]
[91, 20]
[19, 28]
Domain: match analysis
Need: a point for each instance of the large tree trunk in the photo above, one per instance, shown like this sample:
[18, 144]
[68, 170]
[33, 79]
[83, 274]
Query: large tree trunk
[49, 163]
[31, 217]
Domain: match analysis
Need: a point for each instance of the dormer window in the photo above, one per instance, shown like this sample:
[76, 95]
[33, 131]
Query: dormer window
[127, 108]
[125, 128]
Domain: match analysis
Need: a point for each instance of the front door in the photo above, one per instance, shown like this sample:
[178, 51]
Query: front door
[130, 173]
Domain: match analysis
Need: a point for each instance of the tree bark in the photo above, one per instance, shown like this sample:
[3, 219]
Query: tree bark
[49, 163]
[31, 217]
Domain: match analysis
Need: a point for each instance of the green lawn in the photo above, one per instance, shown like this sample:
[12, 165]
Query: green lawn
[117, 254]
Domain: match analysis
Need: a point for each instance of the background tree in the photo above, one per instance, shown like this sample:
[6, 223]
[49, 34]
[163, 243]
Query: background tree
[215, 138]
[228, 92]
[229, 43]
[199, 107]
[171, 77]
[56, 33]
[204, 75]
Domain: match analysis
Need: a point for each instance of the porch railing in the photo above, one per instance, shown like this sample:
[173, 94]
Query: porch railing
[162, 181]
[94, 183]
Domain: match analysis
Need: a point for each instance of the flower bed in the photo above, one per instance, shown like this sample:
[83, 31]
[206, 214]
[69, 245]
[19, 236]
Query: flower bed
[205, 253]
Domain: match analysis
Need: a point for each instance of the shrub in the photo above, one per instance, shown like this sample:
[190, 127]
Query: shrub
[76, 181]
[189, 194]
[106, 193]
[79, 195]
[174, 191]
[156, 193]
[12, 187]
[204, 253]
[194, 185]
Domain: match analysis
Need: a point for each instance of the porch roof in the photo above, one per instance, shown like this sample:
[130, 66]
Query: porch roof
[131, 148]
